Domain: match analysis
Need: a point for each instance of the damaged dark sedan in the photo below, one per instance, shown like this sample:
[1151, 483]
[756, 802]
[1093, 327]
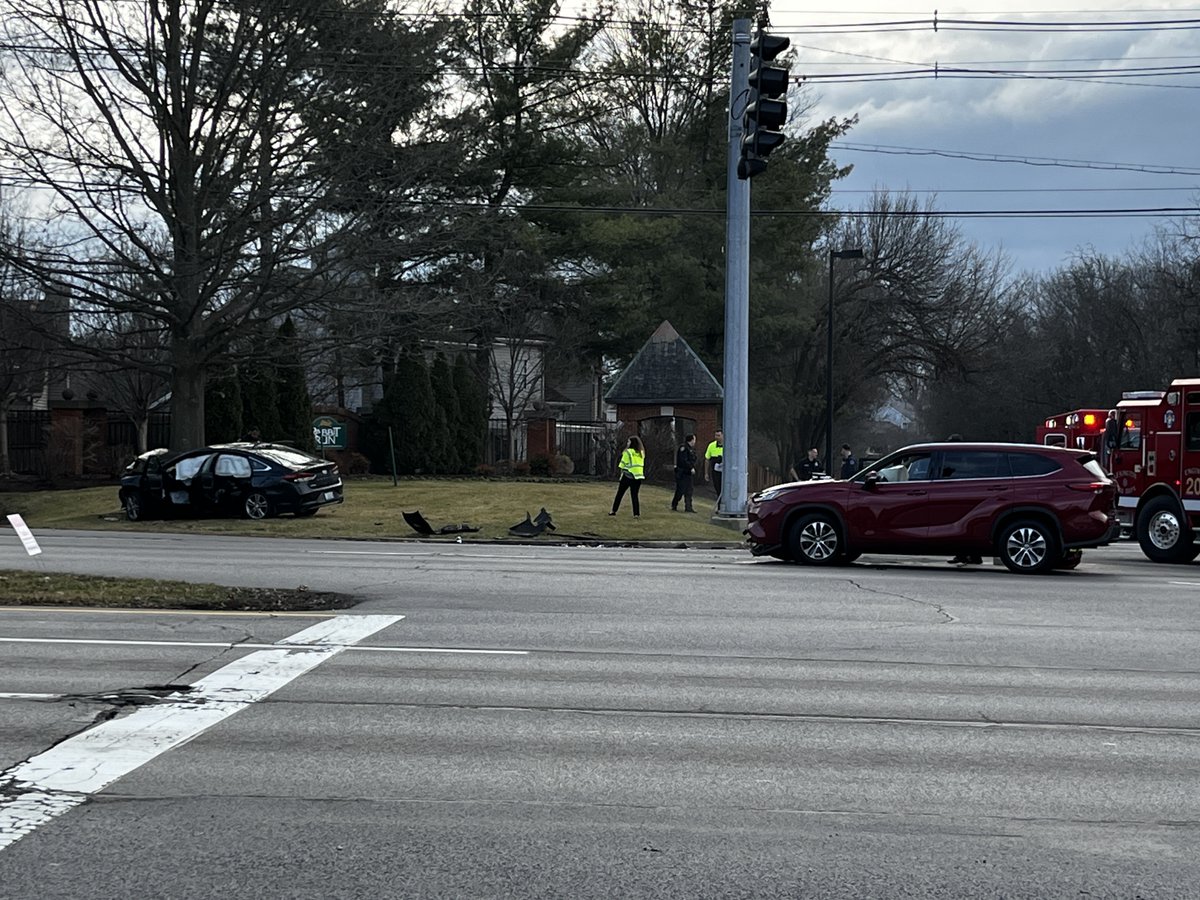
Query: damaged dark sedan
[256, 481]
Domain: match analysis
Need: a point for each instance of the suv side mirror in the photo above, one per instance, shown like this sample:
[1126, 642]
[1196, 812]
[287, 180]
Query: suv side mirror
[870, 481]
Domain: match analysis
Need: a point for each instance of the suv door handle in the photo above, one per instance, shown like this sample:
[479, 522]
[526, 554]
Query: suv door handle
[916, 493]
[997, 490]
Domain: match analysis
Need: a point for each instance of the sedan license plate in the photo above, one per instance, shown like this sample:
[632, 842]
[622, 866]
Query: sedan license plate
[328, 495]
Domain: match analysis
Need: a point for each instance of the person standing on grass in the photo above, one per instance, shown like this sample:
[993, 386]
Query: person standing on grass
[714, 460]
[685, 468]
[633, 472]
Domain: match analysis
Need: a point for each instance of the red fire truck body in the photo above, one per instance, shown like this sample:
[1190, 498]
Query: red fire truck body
[1081, 429]
[1157, 469]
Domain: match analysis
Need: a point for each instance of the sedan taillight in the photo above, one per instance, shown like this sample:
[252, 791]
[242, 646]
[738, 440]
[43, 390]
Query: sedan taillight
[299, 476]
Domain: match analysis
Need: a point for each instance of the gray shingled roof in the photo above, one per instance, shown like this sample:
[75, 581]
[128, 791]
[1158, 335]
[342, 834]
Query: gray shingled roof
[666, 370]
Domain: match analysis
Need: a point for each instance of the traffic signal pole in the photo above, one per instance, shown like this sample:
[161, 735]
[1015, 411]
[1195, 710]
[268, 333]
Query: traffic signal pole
[737, 291]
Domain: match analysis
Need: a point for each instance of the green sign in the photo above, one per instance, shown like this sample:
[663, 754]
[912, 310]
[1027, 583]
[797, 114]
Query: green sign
[329, 433]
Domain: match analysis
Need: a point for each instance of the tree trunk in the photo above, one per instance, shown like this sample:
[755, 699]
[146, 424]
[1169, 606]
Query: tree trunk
[5, 463]
[187, 398]
[142, 423]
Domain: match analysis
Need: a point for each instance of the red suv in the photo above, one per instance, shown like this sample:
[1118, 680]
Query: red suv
[1035, 507]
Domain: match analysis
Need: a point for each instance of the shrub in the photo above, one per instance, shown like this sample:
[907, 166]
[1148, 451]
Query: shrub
[485, 471]
[539, 465]
[352, 462]
[520, 468]
[562, 465]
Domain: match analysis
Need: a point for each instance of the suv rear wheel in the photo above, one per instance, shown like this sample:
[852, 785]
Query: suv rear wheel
[1028, 547]
[1163, 537]
[815, 540]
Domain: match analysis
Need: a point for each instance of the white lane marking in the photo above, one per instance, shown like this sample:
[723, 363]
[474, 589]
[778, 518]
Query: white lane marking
[465, 650]
[1187, 583]
[6, 696]
[124, 611]
[287, 642]
[51, 783]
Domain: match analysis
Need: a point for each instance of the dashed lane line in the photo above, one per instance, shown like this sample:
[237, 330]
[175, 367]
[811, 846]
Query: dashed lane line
[59, 779]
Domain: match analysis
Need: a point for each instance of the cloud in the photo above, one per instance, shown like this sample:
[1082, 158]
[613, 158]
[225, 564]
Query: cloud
[1138, 120]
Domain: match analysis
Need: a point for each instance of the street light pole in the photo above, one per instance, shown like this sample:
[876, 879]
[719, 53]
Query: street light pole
[855, 253]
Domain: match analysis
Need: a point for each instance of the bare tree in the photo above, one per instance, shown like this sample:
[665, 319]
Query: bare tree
[921, 302]
[176, 143]
[23, 361]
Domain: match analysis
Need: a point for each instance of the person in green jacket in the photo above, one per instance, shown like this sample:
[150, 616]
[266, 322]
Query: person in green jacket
[633, 472]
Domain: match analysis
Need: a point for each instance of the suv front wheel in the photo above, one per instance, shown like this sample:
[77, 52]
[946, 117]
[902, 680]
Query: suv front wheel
[1028, 547]
[815, 540]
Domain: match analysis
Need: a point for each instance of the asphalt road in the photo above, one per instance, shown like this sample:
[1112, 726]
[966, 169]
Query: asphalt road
[602, 722]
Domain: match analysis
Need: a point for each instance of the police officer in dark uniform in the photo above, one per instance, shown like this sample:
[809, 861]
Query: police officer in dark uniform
[685, 469]
[807, 468]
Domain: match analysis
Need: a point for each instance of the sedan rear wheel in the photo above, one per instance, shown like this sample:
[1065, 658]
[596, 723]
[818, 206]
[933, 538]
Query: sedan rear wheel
[1028, 547]
[816, 541]
[257, 506]
[133, 508]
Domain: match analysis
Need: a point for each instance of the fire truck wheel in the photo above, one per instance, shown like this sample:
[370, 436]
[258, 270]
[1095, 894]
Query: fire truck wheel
[1028, 547]
[1164, 538]
[815, 540]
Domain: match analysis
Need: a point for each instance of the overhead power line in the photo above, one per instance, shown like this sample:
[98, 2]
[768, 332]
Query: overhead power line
[1010, 158]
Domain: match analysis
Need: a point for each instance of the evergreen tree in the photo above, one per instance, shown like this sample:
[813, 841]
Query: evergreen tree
[408, 407]
[223, 409]
[260, 393]
[441, 377]
[295, 404]
[471, 431]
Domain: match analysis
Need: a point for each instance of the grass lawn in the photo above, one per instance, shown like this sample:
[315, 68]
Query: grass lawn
[21, 588]
[373, 506]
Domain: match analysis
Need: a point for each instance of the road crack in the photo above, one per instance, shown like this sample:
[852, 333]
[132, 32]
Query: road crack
[936, 607]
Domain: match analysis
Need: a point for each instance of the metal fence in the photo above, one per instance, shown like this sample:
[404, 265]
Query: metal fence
[29, 441]
[591, 446]
[123, 433]
[28, 436]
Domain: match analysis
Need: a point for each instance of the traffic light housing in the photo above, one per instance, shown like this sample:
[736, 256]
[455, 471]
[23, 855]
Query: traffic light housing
[766, 104]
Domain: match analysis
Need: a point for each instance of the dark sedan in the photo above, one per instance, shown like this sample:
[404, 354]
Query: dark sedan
[252, 480]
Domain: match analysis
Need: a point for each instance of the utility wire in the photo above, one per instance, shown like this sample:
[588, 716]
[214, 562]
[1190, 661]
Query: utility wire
[1009, 158]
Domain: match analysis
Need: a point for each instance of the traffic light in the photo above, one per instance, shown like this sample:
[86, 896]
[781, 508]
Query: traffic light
[766, 105]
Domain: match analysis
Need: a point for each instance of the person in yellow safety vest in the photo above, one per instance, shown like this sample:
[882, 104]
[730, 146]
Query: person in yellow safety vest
[713, 457]
[633, 472]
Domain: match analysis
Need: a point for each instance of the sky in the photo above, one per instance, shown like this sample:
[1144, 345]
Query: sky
[1109, 129]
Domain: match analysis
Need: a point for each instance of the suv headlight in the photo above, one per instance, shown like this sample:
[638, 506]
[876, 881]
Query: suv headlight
[769, 494]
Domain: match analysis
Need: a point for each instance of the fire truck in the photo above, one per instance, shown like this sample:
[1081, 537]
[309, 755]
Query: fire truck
[1157, 469]
[1081, 429]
